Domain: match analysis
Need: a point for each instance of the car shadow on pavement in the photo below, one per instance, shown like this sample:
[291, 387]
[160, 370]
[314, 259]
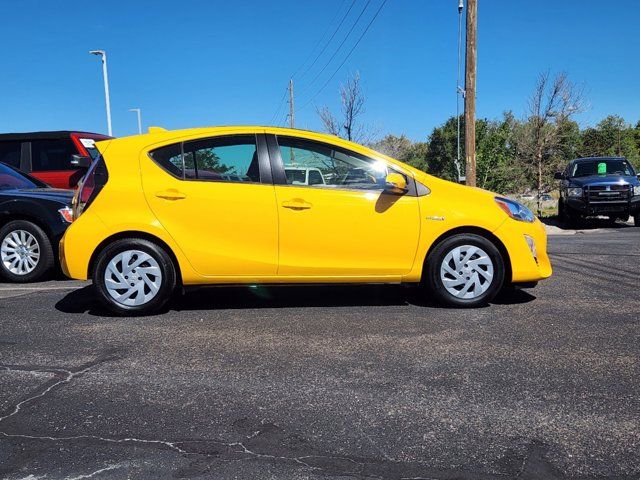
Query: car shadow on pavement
[259, 296]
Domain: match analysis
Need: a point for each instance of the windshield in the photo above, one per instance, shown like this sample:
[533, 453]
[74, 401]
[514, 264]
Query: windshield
[602, 167]
[11, 179]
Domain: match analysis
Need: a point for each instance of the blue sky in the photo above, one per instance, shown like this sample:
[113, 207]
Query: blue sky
[194, 63]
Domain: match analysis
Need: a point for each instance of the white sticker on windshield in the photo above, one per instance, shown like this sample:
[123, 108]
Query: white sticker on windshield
[88, 142]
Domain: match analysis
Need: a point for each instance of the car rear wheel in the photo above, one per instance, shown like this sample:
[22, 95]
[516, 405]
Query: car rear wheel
[465, 270]
[636, 219]
[134, 277]
[26, 254]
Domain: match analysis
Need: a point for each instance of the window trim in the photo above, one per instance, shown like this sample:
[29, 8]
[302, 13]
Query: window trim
[264, 169]
[280, 179]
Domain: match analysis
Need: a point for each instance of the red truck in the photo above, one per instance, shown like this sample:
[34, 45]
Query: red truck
[58, 158]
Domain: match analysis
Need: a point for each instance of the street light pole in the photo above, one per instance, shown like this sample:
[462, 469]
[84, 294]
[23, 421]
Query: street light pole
[137, 110]
[105, 76]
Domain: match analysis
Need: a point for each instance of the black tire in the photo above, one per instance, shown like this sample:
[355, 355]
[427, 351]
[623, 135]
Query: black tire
[636, 219]
[45, 262]
[157, 253]
[434, 283]
[567, 217]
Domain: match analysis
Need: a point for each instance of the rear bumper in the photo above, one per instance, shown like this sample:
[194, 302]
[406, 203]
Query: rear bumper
[525, 266]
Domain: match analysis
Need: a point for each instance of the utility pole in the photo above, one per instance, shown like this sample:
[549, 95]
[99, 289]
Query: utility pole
[292, 122]
[459, 90]
[105, 77]
[470, 92]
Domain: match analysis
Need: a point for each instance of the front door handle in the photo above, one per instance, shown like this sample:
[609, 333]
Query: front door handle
[171, 194]
[296, 204]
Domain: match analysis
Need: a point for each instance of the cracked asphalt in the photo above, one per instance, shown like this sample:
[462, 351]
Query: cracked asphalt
[331, 382]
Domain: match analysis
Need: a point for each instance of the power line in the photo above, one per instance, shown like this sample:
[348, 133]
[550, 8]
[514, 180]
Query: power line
[284, 95]
[348, 55]
[322, 37]
[275, 114]
[344, 17]
[339, 47]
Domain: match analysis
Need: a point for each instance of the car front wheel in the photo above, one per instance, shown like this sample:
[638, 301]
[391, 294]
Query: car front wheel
[134, 277]
[26, 254]
[465, 270]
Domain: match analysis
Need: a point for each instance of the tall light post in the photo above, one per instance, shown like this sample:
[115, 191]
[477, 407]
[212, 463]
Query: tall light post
[137, 110]
[105, 76]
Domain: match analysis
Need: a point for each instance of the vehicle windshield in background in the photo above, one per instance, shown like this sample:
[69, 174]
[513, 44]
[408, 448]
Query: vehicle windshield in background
[12, 180]
[602, 167]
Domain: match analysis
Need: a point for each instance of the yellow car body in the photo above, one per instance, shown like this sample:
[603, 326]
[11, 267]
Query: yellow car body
[236, 232]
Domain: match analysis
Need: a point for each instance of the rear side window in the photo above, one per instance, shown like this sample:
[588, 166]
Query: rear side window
[222, 159]
[10, 153]
[51, 155]
[169, 158]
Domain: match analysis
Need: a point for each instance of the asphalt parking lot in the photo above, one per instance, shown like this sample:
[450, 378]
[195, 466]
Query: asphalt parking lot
[331, 382]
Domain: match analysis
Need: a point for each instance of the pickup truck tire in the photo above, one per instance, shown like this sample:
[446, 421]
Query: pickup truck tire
[636, 219]
[567, 218]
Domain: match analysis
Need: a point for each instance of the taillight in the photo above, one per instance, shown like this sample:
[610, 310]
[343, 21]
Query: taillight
[89, 186]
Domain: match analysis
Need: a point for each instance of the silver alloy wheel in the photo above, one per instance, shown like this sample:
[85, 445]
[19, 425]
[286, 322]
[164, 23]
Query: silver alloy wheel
[20, 252]
[133, 278]
[466, 272]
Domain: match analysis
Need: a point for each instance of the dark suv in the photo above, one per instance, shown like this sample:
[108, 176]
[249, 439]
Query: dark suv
[59, 159]
[593, 186]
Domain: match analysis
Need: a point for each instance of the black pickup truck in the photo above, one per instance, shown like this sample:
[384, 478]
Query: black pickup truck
[606, 186]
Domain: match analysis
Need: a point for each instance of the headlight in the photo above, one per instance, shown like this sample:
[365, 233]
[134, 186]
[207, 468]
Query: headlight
[515, 210]
[636, 190]
[574, 192]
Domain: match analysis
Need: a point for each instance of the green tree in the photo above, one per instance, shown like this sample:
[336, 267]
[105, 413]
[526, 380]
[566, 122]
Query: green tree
[612, 137]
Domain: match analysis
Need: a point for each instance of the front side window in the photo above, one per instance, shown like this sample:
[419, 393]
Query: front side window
[52, 155]
[10, 153]
[222, 159]
[319, 165]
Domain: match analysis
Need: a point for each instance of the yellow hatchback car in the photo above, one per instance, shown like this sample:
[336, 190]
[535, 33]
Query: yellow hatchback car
[248, 205]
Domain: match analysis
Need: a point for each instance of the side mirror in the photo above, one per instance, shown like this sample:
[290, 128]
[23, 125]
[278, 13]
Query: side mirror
[558, 176]
[396, 183]
[80, 161]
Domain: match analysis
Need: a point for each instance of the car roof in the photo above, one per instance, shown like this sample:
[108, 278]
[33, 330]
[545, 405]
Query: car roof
[45, 135]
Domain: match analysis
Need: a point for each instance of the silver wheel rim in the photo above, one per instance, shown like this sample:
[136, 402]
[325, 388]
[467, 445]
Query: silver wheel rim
[133, 278]
[466, 272]
[20, 252]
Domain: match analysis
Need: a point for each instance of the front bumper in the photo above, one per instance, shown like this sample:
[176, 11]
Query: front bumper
[526, 266]
[586, 207]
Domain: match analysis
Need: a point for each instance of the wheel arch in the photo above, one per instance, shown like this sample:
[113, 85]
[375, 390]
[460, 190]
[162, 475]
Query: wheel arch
[476, 231]
[133, 234]
[6, 217]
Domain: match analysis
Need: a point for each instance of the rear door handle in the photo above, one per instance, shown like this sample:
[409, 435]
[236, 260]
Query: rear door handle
[296, 204]
[171, 194]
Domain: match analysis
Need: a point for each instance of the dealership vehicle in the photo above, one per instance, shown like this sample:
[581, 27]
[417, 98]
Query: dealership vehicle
[59, 158]
[145, 221]
[33, 217]
[593, 186]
